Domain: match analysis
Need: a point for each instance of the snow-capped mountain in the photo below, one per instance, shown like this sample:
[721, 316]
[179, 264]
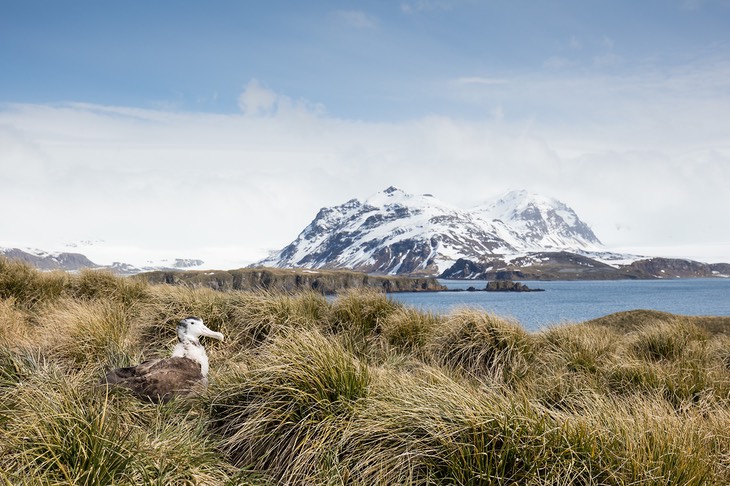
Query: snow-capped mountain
[394, 232]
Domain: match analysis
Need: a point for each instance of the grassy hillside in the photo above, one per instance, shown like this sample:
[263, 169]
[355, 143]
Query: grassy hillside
[357, 390]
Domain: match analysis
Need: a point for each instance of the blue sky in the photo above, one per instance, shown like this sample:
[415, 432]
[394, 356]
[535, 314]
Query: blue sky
[364, 60]
[619, 108]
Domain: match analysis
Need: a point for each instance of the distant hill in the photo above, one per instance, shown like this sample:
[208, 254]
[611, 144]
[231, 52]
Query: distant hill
[74, 262]
[572, 266]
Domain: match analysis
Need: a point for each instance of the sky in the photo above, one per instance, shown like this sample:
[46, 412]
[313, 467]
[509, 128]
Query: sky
[218, 129]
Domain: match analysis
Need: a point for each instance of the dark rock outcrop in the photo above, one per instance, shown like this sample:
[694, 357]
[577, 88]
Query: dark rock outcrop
[464, 269]
[508, 286]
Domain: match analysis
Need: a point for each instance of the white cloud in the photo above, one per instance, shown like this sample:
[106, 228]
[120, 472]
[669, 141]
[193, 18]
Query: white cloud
[256, 100]
[642, 159]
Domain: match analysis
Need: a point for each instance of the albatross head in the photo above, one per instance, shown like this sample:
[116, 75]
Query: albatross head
[188, 346]
[191, 328]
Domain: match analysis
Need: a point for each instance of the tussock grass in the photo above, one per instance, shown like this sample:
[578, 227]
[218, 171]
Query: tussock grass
[361, 312]
[15, 328]
[484, 346]
[264, 314]
[102, 284]
[79, 333]
[354, 390]
[577, 348]
[27, 286]
[61, 429]
[169, 304]
[58, 435]
[409, 330]
[667, 340]
[285, 412]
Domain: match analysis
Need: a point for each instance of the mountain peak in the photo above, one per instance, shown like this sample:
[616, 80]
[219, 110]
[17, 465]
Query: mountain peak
[538, 221]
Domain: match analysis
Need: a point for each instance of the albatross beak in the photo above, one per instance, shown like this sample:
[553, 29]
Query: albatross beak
[207, 332]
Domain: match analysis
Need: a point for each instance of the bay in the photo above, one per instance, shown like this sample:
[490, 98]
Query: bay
[576, 301]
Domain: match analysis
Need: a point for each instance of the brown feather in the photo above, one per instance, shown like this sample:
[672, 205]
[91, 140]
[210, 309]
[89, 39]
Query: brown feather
[159, 380]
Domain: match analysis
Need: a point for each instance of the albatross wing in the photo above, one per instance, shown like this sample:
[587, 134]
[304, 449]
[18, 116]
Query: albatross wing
[159, 380]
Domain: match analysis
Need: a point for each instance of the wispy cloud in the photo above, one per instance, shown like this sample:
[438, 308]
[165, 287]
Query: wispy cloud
[357, 19]
[557, 62]
[608, 59]
[480, 80]
[415, 6]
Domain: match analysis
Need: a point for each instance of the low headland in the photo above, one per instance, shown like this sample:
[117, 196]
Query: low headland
[327, 282]
[356, 389]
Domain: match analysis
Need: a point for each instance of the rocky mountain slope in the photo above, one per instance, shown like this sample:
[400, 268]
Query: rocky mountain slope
[397, 233]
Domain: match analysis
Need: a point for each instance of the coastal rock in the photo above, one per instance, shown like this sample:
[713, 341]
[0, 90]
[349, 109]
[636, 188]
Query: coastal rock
[508, 286]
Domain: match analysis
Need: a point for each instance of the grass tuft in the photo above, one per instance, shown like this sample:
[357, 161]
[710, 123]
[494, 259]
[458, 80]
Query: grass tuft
[59, 432]
[285, 411]
[409, 330]
[361, 312]
[667, 340]
[483, 345]
[102, 284]
[28, 286]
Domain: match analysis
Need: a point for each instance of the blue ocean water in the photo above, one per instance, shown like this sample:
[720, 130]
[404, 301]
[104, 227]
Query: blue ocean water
[568, 302]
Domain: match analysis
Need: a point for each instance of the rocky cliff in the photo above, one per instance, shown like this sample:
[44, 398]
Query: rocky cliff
[289, 280]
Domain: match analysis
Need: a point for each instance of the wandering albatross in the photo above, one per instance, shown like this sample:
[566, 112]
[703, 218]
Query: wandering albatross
[159, 380]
